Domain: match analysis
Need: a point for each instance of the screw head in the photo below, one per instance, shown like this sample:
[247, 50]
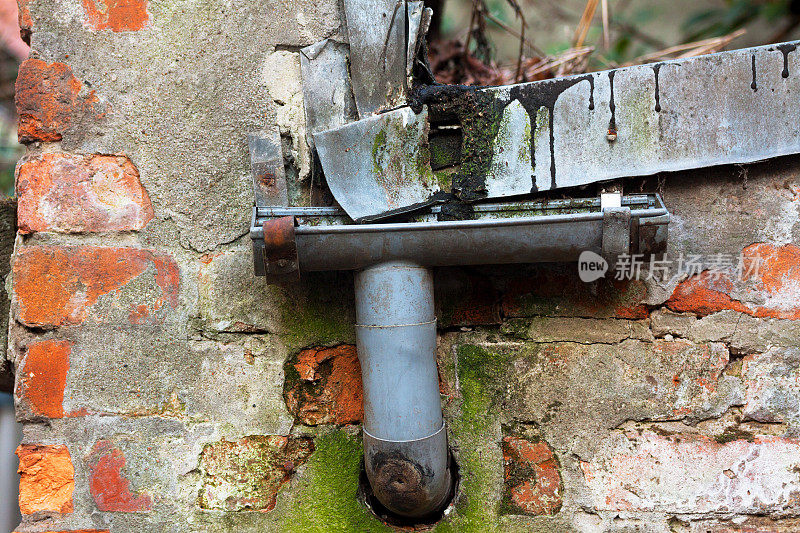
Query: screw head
[611, 136]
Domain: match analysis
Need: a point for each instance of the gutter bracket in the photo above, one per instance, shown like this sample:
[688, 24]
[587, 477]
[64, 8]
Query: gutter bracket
[279, 256]
[616, 233]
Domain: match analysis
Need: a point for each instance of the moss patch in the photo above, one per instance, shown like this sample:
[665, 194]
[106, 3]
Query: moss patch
[318, 312]
[476, 439]
[327, 500]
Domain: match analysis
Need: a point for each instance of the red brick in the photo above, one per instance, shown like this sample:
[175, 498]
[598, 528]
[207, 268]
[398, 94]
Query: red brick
[57, 285]
[465, 298]
[48, 100]
[47, 479]
[532, 477]
[25, 20]
[110, 489]
[777, 284]
[81, 193]
[329, 388]
[44, 377]
[556, 291]
[116, 15]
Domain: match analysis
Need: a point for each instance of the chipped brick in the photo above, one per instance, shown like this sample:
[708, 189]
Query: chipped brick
[46, 479]
[58, 285]
[25, 20]
[532, 477]
[109, 487]
[44, 376]
[465, 298]
[771, 277]
[554, 291]
[323, 386]
[48, 101]
[116, 15]
[81, 193]
[246, 475]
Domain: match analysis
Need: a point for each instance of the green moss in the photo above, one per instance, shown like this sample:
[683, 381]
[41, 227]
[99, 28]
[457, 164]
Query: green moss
[319, 312]
[378, 147]
[732, 433]
[481, 377]
[327, 500]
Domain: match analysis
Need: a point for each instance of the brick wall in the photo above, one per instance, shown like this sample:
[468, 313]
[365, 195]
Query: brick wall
[163, 387]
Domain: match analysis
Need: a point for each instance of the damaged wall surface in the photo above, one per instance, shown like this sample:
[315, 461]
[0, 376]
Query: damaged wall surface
[162, 386]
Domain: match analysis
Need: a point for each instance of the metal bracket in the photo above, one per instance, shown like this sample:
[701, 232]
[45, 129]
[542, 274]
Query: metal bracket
[277, 253]
[616, 233]
[266, 167]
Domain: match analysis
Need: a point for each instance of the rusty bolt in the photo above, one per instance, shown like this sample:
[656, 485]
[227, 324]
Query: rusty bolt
[611, 136]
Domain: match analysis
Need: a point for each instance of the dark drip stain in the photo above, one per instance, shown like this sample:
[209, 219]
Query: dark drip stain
[534, 96]
[612, 124]
[785, 49]
[754, 85]
[656, 69]
[479, 111]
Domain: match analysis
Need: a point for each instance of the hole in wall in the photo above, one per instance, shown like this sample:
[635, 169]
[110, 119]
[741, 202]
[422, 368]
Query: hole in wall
[371, 502]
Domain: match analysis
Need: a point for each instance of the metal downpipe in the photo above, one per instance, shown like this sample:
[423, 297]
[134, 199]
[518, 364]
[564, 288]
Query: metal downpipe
[405, 443]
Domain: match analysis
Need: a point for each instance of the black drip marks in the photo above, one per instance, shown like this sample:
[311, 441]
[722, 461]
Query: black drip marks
[754, 85]
[534, 96]
[785, 49]
[656, 69]
[612, 124]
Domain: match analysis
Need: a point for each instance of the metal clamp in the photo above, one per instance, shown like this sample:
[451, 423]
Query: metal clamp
[616, 233]
[278, 252]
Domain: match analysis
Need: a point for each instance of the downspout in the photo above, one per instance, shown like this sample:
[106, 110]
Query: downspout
[405, 442]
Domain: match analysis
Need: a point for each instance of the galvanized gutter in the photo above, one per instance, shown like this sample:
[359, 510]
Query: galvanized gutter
[405, 440]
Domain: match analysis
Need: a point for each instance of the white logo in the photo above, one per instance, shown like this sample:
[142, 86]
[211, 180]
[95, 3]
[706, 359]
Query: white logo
[591, 266]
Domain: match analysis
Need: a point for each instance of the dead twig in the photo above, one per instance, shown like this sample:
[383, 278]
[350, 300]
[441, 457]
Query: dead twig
[706, 46]
[515, 33]
[518, 11]
[585, 23]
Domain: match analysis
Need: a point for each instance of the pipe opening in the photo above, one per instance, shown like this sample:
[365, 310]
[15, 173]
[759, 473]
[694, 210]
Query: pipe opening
[367, 497]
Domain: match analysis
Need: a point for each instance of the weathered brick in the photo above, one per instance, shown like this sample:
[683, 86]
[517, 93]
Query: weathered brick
[109, 487]
[557, 291]
[49, 100]
[588, 389]
[247, 474]
[57, 286]
[81, 193]
[773, 385]
[323, 386]
[76, 531]
[690, 473]
[116, 15]
[44, 376]
[570, 329]
[25, 20]
[46, 479]
[465, 298]
[532, 477]
[770, 290]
